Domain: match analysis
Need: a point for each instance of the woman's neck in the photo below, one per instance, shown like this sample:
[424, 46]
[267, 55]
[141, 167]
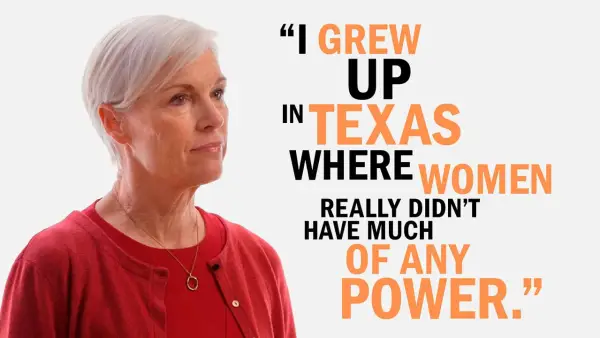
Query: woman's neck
[152, 208]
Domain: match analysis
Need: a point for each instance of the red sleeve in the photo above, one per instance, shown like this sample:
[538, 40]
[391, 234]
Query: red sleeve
[30, 306]
[285, 319]
[289, 327]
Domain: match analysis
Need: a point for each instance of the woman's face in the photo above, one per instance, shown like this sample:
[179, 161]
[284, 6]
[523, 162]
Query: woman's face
[180, 132]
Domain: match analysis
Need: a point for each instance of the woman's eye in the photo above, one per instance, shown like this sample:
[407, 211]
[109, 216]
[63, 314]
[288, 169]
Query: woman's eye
[218, 94]
[178, 99]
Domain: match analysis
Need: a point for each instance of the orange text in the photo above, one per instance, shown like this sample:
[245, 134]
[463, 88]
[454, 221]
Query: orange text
[370, 39]
[380, 115]
[464, 179]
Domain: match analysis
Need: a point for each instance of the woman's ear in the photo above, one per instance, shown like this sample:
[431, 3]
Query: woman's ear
[113, 123]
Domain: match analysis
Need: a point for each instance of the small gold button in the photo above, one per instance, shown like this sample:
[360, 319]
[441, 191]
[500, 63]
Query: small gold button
[235, 303]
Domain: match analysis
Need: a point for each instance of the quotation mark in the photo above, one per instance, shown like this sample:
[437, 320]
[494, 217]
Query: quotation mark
[289, 32]
[536, 282]
[286, 32]
[529, 284]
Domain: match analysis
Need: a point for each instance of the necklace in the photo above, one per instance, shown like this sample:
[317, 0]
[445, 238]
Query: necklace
[191, 282]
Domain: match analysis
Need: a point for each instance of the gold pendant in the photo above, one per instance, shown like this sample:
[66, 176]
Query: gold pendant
[192, 283]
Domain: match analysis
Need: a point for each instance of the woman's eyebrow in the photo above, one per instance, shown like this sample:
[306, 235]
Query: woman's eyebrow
[221, 79]
[186, 86]
[190, 87]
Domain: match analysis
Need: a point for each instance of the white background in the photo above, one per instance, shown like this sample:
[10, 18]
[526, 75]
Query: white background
[524, 75]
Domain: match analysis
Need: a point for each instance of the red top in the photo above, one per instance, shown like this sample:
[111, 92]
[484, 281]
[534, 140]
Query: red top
[203, 310]
[73, 280]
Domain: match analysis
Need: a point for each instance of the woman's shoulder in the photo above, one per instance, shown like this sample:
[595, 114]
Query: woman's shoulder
[251, 245]
[243, 235]
[42, 276]
[55, 245]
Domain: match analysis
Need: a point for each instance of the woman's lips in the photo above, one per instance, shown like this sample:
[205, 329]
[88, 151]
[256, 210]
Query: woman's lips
[213, 147]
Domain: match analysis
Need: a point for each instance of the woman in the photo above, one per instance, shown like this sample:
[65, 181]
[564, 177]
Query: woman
[143, 260]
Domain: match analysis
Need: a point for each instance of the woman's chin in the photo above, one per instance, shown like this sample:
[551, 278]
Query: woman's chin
[207, 174]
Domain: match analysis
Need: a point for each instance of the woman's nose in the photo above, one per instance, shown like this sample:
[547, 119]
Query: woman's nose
[209, 116]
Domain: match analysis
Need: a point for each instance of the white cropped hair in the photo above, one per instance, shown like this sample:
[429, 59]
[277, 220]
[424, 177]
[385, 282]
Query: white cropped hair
[132, 59]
